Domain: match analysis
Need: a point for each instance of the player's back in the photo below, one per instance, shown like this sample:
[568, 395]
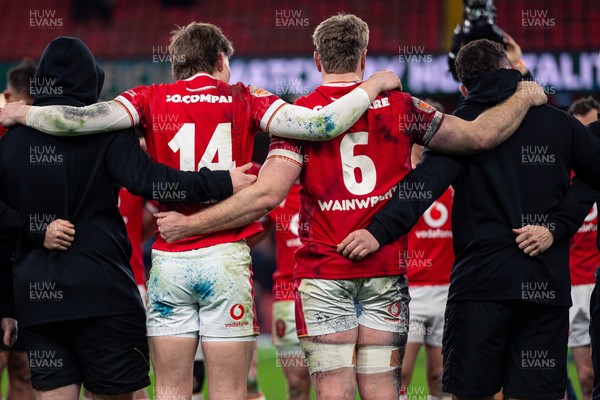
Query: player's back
[345, 181]
[194, 123]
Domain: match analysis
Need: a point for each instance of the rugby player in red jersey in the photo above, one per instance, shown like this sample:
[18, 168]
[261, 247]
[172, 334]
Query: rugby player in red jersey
[428, 264]
[201, 286]
[345, 181]
[584, 258]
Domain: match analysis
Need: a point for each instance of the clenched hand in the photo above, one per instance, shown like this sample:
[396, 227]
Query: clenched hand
[59, 235]
[172, 226]
[358, 244]
[534, 239]
[13, 113]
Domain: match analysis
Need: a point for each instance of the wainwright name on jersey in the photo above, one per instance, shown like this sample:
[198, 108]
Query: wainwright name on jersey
[194, 123]
[345, 181]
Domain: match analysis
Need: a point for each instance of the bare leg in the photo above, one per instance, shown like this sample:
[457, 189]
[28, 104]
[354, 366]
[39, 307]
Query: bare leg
[173, 361]
[227, 366]
[125, 396]
[252, 387]
[141, 395]
[345, 388]
[296, 374]
[408, 365]
[583, 361]
[70, 392]
[434, 370]
[19, 377]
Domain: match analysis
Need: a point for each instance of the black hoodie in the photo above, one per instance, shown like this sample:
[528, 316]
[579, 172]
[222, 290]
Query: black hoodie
[78, 178]
[523, 181]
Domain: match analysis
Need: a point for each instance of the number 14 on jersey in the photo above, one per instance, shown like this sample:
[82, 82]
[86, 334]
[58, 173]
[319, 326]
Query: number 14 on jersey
[218, 153]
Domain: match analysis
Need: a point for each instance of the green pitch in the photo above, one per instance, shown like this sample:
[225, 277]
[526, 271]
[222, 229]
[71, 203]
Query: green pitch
[272, 382]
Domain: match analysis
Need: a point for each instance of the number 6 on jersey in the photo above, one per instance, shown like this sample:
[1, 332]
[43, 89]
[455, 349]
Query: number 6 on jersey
[350, 162]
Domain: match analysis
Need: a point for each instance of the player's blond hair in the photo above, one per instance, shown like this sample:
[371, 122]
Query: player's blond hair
[195, 48]
[340, 40]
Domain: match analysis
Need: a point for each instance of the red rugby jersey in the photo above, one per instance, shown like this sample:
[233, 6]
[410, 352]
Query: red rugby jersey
[430, 253]
[132, 210]
[584, 256]
[199, 122]
[345, 181]
[286, 221]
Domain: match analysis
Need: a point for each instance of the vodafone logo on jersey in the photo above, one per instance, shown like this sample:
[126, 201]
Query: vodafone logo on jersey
[436, 216]
[237, 312]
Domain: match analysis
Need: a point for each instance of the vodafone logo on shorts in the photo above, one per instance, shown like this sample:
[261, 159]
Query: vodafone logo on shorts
[436, 215]
[280, 328]
[237, 312]
[394, 309]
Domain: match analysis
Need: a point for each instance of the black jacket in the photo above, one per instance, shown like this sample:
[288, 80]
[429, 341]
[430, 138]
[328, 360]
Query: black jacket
[11, 224]
[523, 181]
[44, 178]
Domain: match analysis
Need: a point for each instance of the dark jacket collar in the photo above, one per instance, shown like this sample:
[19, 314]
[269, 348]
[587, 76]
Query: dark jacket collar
[491, 88]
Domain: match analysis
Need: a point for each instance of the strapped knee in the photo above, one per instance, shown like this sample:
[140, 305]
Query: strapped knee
[376, 359]
[322, 357]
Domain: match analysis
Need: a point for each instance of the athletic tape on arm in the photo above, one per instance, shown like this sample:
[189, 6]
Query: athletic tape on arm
[296, 122]
[77, 121]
